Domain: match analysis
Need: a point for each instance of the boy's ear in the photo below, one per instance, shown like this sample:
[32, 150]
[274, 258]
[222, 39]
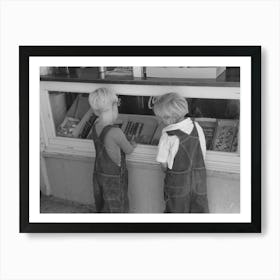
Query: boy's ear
[152, 101]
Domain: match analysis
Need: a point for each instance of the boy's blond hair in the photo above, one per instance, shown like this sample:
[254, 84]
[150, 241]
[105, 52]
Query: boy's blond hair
[172, 106]
[101, 100]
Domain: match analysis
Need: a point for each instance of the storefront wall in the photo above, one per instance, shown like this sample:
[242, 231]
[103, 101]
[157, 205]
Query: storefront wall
[70, 177]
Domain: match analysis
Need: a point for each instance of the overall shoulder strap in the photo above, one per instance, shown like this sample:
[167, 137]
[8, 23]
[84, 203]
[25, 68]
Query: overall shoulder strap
[194, 132]
[104, 132]
[179, 133]
[94, 133]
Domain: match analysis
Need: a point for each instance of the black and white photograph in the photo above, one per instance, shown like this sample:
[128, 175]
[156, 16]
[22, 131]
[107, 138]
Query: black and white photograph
[132, 137]
[177, 128]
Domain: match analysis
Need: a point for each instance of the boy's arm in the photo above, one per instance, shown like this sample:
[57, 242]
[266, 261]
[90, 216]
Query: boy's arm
[122, 141]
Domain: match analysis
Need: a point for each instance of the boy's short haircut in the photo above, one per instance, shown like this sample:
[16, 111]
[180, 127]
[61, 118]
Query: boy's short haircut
[101, 100]
[171, 105]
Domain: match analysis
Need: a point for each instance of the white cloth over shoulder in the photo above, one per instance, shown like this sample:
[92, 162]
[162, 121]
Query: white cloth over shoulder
[168, 145]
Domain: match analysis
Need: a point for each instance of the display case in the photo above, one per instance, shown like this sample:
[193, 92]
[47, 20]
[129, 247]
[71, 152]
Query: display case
[67, 150]
[66, 117]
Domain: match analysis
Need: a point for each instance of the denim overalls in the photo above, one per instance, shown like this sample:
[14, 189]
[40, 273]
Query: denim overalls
[185, 189]
[110, 181]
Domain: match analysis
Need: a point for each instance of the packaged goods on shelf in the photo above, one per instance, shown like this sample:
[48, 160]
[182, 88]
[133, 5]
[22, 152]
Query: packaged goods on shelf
[225, 138]
[209, 126]
[235, 141]
[86, 124]
[70, 127]
[139, 128]
[133, 130]
[220, 135]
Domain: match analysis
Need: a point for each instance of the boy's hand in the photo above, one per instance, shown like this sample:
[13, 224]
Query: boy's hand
[163, 166]
[133, 144]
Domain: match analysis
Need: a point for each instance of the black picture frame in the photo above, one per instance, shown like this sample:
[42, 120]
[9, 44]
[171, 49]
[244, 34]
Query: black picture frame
[254, 52]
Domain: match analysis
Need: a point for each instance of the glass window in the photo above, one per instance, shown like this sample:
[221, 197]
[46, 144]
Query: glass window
[219, 119]
[72, 114]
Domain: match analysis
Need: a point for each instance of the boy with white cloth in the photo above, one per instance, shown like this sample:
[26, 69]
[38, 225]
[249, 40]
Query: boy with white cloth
[181, 152]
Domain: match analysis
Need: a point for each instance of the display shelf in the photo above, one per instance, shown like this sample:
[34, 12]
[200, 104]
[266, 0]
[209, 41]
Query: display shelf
[143, 81]
[210, 92]
[143, 154]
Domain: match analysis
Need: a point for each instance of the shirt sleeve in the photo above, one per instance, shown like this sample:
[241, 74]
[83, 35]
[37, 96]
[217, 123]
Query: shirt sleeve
[202, 140]
[163, 149]
[167, 149]
[121, 140]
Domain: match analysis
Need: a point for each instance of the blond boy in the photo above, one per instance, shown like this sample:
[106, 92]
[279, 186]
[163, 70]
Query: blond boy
[110, 177]
[181, 152]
